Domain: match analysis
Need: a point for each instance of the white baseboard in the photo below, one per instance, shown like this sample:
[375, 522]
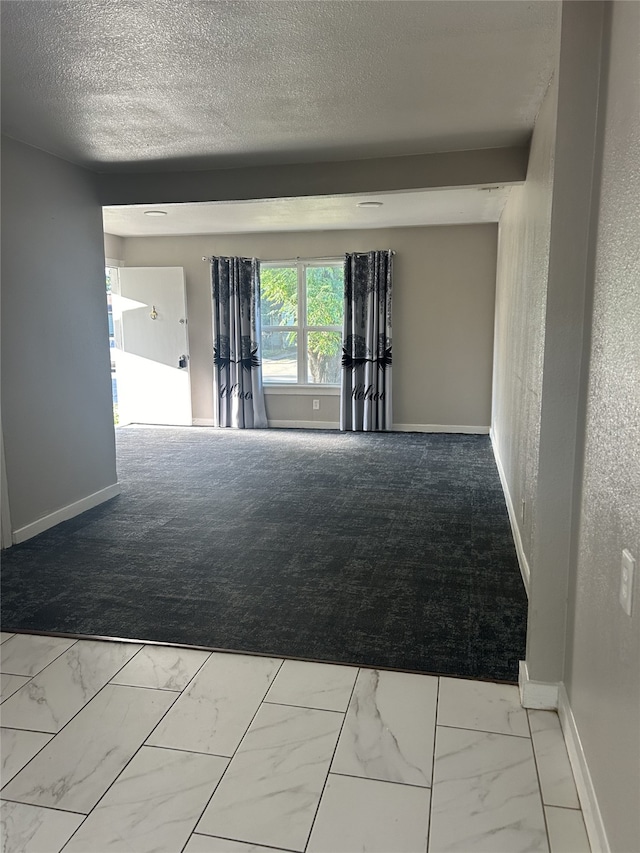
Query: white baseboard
[513, 518]
[64, 514]
[586, 792]
[536, 694]
[467, 430]
[5, 515]
[281, 424]
[304, 424]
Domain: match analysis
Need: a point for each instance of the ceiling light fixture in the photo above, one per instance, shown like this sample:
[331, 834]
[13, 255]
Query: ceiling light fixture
[155, 213]
[370, 204]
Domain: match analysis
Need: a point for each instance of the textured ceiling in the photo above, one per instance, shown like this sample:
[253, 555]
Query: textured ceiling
[422, 207]
[170, 84]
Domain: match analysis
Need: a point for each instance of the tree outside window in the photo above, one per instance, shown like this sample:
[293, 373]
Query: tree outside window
[302, 310]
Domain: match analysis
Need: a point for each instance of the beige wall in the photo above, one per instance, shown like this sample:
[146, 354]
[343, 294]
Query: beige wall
[56, 393]
[444, 284]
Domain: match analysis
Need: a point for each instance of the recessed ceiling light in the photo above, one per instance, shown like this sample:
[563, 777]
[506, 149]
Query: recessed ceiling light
[155, 213]
[369, 204]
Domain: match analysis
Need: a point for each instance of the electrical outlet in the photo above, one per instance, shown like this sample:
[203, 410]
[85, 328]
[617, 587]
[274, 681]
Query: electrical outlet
[626, 581]
[316, 405]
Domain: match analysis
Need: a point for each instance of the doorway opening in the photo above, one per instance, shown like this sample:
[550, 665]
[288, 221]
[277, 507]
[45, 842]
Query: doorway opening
[112, 284]
[149, 347]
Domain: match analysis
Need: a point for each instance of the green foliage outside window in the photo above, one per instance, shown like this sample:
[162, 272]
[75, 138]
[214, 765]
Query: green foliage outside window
[325, 294]
[279, 296]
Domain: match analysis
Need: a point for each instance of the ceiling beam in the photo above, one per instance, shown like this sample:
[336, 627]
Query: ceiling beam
[498, 166]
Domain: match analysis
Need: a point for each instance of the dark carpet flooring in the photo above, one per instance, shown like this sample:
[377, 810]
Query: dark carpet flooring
[380, 549]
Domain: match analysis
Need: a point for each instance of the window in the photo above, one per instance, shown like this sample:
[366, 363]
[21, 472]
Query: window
[302, 310]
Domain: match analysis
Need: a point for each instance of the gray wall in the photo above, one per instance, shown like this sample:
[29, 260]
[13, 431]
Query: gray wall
[56, 396]
[569, 262]
[602, 671]
[113, 247]
[521, 299]
[444, 286]
[565, 327]
[450, 169]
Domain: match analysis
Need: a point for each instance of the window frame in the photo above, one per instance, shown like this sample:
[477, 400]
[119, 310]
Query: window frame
[302, 329]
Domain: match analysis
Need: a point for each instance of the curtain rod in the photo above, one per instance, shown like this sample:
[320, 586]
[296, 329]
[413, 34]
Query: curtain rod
[287, 260]
[297, 259]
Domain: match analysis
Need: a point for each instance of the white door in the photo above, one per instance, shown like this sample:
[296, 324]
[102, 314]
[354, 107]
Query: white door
[152, 347]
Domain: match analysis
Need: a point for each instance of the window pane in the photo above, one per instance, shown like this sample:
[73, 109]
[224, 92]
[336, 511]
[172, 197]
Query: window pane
[325, 295]
[280, 356]
[324, 351]
[279, 296]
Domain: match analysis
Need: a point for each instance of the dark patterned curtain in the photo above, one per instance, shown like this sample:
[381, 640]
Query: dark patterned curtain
[365, 402]
[238, 398]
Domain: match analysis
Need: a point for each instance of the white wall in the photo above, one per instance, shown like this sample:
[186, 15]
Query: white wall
[56, 395]
[444, 286]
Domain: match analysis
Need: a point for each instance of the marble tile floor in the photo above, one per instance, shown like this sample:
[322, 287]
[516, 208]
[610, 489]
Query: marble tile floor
[111, 746]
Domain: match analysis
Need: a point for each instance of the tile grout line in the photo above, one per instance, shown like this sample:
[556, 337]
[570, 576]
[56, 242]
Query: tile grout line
[13, 675]
[535, 764]
[433, 766]
[81, 824]
[108, 788]
[230, 758]
[235, 841]
[333, 755]
[40, 671]
[6, 728]
[483, 731]
[188, 751]
[169, 690]
[55, 734]
[32, 731]
[144, 742]
[383, 781]
[180, 694]
[79, 711]
[148, 687]
[48, 808]
[577, 808]
[248, 653]
[306, 707]
[22, 674]
[177, 695]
